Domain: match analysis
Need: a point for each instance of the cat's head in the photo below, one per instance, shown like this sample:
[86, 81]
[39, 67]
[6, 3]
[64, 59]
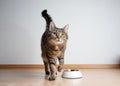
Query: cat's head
[58, 35]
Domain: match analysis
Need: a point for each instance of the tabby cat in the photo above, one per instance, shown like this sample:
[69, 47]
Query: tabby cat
[53, 45]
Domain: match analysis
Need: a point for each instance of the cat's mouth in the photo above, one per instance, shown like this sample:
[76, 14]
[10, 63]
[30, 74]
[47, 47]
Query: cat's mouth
[59, 41]
[56, 41]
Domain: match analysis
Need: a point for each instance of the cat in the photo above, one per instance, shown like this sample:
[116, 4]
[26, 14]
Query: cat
[53, 45]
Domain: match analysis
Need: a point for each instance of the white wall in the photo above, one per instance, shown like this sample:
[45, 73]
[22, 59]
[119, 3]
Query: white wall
[94, 33]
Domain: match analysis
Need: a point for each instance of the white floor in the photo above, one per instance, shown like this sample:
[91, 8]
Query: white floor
[36, 77]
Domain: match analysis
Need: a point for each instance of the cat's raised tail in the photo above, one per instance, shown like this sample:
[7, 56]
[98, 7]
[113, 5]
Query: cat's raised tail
[47, 17]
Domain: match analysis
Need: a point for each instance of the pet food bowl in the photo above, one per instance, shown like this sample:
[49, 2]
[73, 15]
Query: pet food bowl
[72, 74]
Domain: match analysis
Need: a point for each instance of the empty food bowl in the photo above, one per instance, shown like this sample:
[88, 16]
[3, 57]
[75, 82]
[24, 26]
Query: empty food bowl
[72, 74]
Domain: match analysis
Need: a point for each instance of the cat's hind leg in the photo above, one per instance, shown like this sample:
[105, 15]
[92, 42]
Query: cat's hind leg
[46, 65]
[46, 68]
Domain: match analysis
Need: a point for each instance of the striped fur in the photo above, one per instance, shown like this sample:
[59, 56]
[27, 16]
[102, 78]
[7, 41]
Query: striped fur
[53, 45]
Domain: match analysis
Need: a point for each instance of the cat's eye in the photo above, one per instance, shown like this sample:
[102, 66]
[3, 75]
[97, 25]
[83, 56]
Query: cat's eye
[53, 35]
[63, 35]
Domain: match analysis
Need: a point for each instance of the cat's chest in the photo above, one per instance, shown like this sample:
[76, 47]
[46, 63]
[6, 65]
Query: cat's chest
[55, 51]
[56, 48]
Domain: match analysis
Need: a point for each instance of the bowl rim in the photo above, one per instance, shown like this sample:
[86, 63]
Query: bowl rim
[71, 70]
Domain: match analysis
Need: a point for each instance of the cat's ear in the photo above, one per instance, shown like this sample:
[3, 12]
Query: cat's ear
[66, 28]
[52, 26]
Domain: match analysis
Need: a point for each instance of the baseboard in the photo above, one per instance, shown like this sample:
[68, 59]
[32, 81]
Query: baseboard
[92, 66]
[66, 66]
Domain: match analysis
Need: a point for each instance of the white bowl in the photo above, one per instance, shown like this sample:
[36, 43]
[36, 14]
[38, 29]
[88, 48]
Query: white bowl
[72, 73]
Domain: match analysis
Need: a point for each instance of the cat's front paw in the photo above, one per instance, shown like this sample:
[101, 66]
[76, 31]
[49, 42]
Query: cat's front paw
[52, 77]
